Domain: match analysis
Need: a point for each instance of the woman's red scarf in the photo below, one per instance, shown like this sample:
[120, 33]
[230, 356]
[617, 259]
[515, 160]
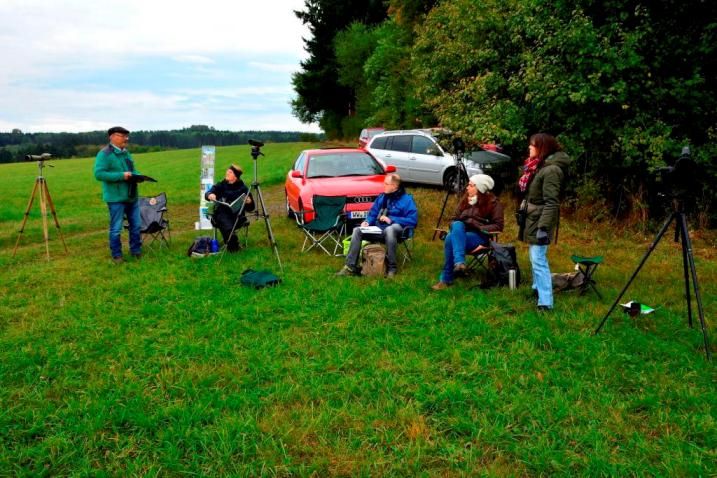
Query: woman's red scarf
[529, 168]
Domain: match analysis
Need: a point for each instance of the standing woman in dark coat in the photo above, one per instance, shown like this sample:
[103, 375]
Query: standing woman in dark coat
[541, 184]
[224, 218]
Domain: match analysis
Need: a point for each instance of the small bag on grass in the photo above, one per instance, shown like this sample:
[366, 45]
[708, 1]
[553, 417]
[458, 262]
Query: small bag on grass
[259, 279]
[201, 247]
[373, 261]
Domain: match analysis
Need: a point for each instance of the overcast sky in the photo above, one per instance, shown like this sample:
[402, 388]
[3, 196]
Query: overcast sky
[82, 65]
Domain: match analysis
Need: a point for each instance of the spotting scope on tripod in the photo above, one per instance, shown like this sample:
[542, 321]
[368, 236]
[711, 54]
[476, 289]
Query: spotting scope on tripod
[677, 182]
[260, 211]
[45, 201]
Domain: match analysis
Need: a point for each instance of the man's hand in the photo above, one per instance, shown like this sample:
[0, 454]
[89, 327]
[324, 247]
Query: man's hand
[212, 197]
[542, 237]
[364, 224]
[127, 175]
[385, 219]
[248, 200]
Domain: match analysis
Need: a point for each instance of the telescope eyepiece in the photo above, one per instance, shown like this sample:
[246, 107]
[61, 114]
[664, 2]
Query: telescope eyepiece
[255, 143]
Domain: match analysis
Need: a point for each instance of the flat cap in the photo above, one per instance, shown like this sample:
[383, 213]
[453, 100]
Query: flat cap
[116, 129]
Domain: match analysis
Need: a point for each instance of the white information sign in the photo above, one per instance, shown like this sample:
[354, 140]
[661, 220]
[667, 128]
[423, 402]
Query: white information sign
[206, 181]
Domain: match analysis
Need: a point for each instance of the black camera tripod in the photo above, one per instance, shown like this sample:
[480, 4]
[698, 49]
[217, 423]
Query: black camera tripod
[456, 182]
[688, 265]
[45, 201]
[260, 211]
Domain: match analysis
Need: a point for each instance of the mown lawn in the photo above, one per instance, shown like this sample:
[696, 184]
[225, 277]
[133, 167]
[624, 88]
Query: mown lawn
[168, 366]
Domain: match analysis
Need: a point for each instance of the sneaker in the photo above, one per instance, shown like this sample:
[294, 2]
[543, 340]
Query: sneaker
[440, 285]
[118, 259]
[137, 256]
[544, 308]
[347, 271]
[390, 274]
[459, 268]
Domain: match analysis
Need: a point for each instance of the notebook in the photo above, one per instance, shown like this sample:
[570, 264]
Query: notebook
[236, 206]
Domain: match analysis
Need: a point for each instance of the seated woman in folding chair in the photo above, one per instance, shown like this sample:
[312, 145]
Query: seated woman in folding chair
[479, 213]
[224, 218]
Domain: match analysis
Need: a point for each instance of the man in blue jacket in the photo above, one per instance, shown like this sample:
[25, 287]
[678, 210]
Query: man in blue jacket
[114, 167]
[393, 211]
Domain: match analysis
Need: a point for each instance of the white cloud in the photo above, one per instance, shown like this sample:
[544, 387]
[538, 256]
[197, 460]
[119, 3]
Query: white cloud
[52, 50]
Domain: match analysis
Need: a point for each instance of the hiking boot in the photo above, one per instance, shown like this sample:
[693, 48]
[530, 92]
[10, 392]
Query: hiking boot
[137, 256]
[390, 274]
[440, 285]
[347, 271]
[118, 259]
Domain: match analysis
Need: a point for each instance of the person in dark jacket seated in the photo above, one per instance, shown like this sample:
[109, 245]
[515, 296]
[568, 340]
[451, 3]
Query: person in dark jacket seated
[224, 218]
[392, 211]
[479, 213]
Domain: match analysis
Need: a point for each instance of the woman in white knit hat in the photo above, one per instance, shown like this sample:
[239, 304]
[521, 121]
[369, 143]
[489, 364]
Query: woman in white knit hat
[478, 213]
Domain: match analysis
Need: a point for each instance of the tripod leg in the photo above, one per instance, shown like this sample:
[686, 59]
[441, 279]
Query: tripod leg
[687, 243]
[680, 228]
[27, 213]
[634, 274]
[43, 209]
[269, 232]
[440, 216]
[54, 215]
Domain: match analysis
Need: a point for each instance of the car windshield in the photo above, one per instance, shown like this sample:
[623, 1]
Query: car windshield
[343, 164]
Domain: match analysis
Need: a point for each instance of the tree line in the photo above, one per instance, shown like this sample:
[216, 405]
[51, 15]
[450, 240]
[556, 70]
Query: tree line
[623, 84]
[15, 145]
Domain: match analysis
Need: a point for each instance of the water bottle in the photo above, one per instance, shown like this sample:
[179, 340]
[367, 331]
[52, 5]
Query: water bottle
[214, 245]
[511, 279]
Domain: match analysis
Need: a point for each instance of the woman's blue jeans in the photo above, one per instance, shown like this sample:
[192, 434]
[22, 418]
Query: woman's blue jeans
[118, 210]
[458, 241]
[542, 280]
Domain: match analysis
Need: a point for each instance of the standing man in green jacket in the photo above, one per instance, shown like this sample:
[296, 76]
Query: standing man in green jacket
[114, 167]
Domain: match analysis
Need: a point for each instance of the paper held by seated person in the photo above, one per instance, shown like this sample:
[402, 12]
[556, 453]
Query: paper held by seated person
[371, 230]
[236, 206]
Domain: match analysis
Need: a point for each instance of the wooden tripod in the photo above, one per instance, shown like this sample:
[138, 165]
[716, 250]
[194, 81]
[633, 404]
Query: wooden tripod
[45, 200]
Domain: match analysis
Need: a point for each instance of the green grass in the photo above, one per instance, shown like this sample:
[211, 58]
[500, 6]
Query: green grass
[168, 366]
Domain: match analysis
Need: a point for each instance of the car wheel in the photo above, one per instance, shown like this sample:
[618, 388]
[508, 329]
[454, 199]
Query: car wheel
[289, 212]
[455, 182]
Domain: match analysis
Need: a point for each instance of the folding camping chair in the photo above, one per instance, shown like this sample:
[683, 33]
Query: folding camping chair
[479, 255]
[404, 246]
[587, 266]
[242, 234]
[152, 211]
[329, 224]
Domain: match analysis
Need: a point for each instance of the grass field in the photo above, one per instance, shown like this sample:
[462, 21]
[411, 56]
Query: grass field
[167, 366]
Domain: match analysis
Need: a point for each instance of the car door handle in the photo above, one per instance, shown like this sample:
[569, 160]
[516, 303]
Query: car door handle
[412, 158]
[386, 155]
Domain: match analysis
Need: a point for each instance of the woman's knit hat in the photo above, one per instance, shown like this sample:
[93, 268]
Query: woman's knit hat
[482, 182]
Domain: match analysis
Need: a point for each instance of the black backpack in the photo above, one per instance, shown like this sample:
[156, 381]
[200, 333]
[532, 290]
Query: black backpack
[202, 246]
[501, 260]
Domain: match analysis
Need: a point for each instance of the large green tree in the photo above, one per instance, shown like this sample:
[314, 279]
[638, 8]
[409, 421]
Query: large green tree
[319, 94]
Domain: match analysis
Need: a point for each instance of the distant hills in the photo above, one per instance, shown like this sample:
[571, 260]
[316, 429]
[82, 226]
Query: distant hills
[15, 145]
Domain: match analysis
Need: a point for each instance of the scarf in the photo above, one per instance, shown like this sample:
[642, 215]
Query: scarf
[529, 168]
[472, 200]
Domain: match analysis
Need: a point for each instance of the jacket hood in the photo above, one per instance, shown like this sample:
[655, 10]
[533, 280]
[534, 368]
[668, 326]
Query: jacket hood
[560, 159]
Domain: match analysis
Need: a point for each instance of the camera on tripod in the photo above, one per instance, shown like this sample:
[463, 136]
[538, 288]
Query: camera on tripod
[680, 180]
[255, 148]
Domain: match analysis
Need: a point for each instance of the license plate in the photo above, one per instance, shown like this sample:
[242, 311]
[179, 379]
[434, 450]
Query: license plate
[358, 214]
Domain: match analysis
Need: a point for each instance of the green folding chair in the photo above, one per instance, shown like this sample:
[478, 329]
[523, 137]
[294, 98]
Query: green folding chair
[587, 266]
[328, 225]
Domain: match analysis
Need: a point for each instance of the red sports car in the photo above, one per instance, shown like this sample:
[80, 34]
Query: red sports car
[353, 173]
